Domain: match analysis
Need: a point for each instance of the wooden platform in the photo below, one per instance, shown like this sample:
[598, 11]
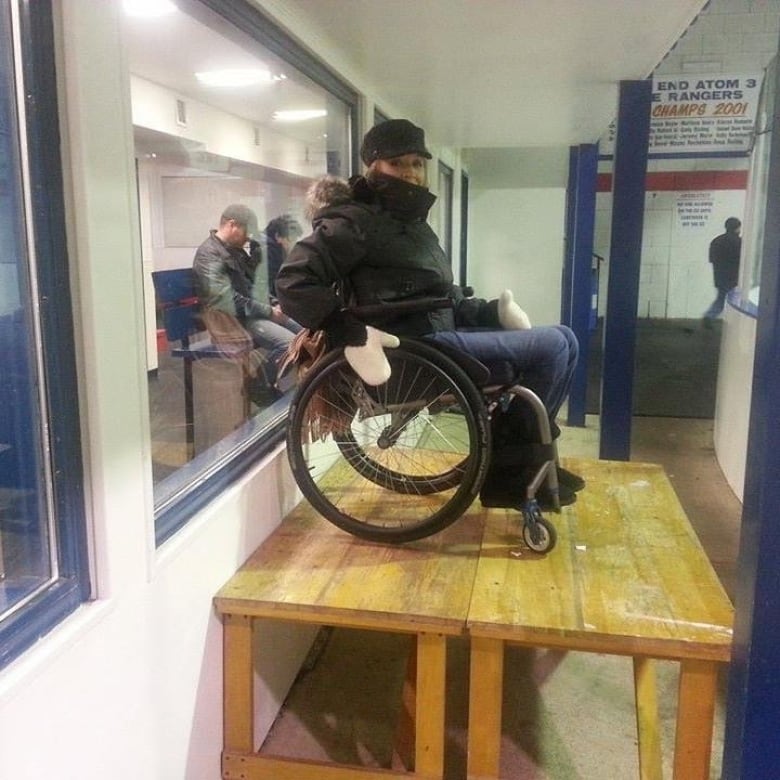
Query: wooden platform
[309, 571]
[628, 577]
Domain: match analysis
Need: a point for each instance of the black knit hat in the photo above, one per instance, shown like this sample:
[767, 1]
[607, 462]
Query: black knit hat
[392, 139]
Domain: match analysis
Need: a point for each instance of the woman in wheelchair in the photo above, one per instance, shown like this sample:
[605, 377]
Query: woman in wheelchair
[371, 244]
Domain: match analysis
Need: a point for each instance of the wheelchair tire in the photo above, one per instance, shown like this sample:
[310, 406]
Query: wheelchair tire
[392, 463]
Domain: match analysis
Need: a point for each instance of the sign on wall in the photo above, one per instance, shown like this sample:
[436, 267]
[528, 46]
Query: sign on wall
[694, 209]
[693, 115]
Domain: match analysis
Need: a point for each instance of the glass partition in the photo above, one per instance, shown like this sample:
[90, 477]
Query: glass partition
[219, 118]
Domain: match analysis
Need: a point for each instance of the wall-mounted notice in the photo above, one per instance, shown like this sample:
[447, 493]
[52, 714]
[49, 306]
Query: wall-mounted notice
[694, 209]
[699, 115]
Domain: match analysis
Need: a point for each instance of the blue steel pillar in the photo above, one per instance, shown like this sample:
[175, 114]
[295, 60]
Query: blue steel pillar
[580, 250]
[752, 750]
[628, 206]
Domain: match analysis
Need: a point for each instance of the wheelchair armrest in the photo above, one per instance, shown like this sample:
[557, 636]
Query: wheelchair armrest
[391, 309]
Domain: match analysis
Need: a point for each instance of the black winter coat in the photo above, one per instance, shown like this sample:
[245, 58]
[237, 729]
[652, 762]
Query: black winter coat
[376, 248]
[724, 256]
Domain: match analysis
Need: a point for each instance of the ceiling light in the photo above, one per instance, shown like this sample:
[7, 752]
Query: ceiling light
[235, 77]
[148, 8]
[299, 116]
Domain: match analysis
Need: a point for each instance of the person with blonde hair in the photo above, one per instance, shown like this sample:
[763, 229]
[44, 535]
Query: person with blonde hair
[376, 247]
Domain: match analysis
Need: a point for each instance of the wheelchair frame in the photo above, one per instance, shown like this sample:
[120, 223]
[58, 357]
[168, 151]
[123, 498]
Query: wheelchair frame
[404, 460]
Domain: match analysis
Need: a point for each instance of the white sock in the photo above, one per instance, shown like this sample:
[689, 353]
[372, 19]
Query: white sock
[510, 315]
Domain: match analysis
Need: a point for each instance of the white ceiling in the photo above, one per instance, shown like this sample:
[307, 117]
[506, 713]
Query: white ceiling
[499, 73]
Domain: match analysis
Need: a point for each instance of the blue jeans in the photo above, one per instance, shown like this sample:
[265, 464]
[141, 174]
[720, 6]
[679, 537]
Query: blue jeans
[542, 359]
[274, 338]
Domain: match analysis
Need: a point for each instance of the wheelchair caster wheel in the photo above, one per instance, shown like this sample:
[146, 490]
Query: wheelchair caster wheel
[538, 532]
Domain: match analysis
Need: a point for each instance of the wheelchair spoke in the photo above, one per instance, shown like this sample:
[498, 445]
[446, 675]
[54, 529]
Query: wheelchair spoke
[395, 462]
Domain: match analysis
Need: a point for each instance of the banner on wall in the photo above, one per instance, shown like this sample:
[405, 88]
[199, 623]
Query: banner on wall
[692, 115]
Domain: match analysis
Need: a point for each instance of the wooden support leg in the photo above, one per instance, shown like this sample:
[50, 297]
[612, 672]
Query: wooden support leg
[237, 697]
[431, 685]
[695, 716]
[647, 725]
[405, 735]
[484, 738]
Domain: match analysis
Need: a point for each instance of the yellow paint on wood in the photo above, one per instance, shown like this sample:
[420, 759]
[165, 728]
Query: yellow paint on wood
[695, 711]
[310, 570]
[628, 574]
[647, 723]
[484, 736]
[238, 713]
[431, 676]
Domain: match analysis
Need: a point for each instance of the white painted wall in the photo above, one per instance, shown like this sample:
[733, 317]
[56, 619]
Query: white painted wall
[732, 405]
[517, 208]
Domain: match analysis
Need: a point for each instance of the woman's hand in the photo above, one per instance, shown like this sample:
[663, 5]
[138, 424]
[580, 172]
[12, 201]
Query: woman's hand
[369, 361]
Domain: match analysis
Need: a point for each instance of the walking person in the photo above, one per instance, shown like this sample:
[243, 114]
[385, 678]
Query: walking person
[724, 256]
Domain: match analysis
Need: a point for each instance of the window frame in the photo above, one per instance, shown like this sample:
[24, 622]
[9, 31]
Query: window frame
[446, 174]
[45, 226]
[194, 485]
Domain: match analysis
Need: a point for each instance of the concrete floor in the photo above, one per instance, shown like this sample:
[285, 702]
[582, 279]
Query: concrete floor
[566, 715]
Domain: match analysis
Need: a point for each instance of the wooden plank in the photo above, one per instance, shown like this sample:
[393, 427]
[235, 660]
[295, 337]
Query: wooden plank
[628, 575]
[257, 767]
[237, 696]
[309, 570]
[647, 723]
[485, 684]
[406, 731]
[695, 713]
[431, 696]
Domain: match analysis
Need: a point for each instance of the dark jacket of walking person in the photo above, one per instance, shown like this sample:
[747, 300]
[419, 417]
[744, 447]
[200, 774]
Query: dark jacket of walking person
[724, 255]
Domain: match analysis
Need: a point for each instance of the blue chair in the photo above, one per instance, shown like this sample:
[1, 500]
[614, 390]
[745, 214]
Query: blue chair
[178, 301]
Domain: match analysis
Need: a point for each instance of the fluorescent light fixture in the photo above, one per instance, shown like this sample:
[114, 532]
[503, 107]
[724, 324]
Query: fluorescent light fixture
[236, 77]
[299, 116]
[148, 8]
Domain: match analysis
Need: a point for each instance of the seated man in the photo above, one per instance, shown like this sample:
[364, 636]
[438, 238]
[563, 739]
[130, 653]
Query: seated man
[225, 276]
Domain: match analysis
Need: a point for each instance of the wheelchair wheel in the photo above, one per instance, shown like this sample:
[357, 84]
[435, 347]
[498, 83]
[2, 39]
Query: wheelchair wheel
[391, 463]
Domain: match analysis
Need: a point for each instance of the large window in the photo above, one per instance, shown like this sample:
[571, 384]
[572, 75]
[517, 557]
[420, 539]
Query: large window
[226, 110]
[43, 562]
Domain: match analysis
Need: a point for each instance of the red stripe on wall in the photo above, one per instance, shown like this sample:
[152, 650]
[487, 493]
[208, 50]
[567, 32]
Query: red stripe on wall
[684, 181]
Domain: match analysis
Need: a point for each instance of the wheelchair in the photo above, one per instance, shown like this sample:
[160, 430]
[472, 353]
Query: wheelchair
[402, 461]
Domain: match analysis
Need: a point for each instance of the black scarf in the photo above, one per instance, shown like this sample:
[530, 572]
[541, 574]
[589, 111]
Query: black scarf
[403, 200]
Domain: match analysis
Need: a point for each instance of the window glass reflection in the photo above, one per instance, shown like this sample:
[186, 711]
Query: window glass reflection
[218, 121]
[26, 523]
